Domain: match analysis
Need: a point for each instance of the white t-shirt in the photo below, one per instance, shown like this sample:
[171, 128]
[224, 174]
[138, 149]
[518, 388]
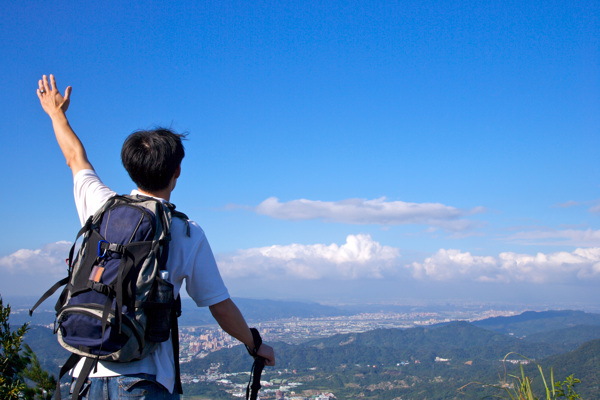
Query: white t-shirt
[190, 259]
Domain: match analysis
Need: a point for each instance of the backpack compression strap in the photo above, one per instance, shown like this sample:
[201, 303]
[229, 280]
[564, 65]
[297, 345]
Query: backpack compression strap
[65, 280]
[81, 379]
[69, 364]
[88, 364]
[176, 312]
[49, 293]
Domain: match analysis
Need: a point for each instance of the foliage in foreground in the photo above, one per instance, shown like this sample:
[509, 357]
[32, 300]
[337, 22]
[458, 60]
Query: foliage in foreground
[19, 364]
[519, 387]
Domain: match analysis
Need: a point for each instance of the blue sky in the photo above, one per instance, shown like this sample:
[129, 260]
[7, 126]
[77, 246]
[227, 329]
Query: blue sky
[338, 151]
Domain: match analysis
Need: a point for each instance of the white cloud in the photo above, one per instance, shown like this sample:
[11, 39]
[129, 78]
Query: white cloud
[567, 204]
[449, 264]
[47, 261]
[376, 211]
[359, 257]
[582, 264]
[541, 268]
[571, 237]
[595, 208]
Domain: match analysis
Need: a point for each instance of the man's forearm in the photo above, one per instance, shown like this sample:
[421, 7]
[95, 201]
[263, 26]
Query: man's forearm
[232, 321]
[69, 143]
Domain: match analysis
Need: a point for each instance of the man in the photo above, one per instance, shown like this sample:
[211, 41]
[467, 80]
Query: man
[153, 161]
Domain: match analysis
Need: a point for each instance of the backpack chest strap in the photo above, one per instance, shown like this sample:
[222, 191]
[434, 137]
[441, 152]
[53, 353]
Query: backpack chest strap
[104, 247]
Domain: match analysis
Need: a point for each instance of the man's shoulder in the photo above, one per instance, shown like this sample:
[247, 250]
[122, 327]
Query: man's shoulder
[180, 227]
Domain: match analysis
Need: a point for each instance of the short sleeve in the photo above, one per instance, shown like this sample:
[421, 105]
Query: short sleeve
[191, 260]
[90, 193]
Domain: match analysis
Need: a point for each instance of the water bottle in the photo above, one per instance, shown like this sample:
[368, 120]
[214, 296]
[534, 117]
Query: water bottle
[159, 309]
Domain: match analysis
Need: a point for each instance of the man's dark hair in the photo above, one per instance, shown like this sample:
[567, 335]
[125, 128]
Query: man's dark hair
[152, 157]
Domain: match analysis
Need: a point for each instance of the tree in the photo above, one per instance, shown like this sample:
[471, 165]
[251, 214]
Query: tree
[19, 365]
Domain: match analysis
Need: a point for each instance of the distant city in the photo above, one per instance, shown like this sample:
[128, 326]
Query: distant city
[199, 341]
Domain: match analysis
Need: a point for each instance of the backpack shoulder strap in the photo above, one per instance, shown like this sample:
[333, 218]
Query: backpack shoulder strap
[185, 219]
[176, 312]
[180, 215]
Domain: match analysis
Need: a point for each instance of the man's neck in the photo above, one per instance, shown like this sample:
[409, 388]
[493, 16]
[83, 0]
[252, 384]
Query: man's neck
[166, 192]
[161, 194]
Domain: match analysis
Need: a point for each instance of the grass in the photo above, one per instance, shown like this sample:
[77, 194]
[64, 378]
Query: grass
[519, 387]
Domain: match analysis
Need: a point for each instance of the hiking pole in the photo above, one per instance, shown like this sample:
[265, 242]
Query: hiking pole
[255, 374]
[257, 366]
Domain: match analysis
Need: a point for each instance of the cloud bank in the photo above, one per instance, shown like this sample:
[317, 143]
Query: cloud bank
[362, 257]
[446, 265]
[376, 211]
[359, 257]
[47, 261]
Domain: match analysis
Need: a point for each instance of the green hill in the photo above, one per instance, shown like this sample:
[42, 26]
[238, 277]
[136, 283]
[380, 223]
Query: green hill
[531, 322]
[571, 338]
[458, 342]
[416, 363]
[583, 363]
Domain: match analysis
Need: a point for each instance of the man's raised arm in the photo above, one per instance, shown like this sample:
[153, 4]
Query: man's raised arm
[56, 106]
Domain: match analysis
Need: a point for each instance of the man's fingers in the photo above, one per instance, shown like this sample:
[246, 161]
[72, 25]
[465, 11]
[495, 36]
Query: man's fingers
[46, 85]
[40, 89]
[68, 93]
[52, 82]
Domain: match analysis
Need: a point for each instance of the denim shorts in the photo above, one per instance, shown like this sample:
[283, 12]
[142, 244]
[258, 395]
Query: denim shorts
[132, 387]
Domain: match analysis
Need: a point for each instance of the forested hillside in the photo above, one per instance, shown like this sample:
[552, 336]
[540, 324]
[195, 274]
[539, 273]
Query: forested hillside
[415, 363]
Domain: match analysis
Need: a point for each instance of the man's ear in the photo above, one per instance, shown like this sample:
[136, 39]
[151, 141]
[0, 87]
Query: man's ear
[174, 178]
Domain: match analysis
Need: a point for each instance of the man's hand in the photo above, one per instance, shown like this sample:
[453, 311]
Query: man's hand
[52, 101]
[265, 351]
[55, 105]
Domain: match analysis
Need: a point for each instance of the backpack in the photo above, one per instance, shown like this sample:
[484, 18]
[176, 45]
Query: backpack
[118, 304]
